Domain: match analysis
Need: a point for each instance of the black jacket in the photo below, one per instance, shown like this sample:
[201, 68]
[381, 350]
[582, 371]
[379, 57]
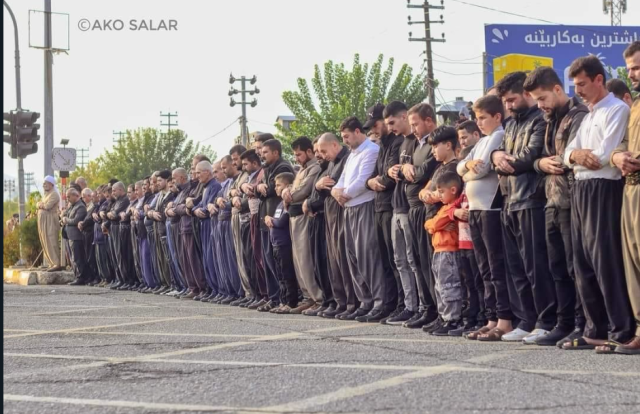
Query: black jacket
[315, 202]
[120, 205]
[523, 140]
[87, 223]
[389, 150]
[334, 170]
[562, 128]
[271, 200]
[75, 214]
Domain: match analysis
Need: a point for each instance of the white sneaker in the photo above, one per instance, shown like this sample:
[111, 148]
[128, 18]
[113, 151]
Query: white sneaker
[516, 335]
[531, 338]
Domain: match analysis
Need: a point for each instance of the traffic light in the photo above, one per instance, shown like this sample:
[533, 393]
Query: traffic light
[9, 138]
[26, 132]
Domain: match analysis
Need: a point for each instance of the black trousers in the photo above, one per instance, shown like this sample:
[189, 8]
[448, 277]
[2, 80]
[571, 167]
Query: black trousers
[339, 273]
[394, 295]
[422, 254]
[283, 258]
[560, 251]
[319, 254]
[475, 311]
[270, 270]
[525, 229]
[114, 251]
[90, 254]
[247, 256]
[486, 234]
[597, 258]
[125, 255]
[79, 260]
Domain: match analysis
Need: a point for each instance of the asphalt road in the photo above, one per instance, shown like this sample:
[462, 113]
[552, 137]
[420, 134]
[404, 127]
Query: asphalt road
[92, 350]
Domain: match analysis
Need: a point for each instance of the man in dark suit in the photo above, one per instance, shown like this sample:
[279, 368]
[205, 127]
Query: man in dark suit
[76, 213]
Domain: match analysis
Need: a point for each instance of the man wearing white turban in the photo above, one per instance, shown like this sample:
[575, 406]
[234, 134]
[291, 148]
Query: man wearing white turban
[49, 223]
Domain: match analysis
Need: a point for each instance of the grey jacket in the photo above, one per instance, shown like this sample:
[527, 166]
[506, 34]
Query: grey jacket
[75, 214]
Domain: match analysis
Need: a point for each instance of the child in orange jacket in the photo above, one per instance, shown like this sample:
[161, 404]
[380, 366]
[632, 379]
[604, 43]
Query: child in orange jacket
[446, 259]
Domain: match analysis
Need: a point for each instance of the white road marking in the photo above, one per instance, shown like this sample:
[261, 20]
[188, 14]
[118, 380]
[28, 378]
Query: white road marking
[86, 328]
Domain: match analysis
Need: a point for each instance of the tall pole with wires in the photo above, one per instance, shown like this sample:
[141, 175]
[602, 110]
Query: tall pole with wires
[244, 133]
[616, 8]
[427, 39]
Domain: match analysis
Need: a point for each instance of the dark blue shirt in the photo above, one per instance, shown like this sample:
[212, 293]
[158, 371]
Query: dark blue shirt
[279, 233]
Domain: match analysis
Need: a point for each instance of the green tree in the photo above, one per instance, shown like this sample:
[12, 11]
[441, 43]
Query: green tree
[340, 93]
[140, 153]
[623, 75]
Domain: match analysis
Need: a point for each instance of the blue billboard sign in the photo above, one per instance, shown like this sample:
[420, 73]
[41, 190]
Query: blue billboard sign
[512, 47]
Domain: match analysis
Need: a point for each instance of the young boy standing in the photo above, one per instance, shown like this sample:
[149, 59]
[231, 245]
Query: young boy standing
[282, 253]
[482, 190]
[446, 257]
[443, 141]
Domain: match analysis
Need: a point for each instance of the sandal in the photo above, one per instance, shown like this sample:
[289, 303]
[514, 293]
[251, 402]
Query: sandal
[494, 335]
[577, 344]
[475, 334]
[608, 347]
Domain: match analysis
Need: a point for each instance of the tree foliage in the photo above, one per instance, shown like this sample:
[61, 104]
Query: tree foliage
[340, 93]
[140, 153]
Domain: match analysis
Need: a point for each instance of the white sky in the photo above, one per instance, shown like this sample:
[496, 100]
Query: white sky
[114, 80]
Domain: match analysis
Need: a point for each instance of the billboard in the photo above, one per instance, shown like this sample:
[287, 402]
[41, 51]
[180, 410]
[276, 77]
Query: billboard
[514, 47]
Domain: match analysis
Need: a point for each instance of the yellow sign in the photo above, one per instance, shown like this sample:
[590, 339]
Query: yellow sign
[514, 62]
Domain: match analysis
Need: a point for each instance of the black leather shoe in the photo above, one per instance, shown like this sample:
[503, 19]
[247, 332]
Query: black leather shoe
[553, 337]
[256, 305]
[419, 321]
[376, 315]
[332, 313]
[228, 300]
[355, 314]
[77, 282]
[342, 315]
[246, 302]
[393, 314]
[433, 326]
[237, 302]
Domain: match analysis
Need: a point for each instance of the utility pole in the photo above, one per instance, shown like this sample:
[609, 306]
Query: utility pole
[10, 187]
[28, 177]
[616, 8]
[48, 91]
[244, 132]
[82, 157]
[120, 134]
[427, 39]
[20, 262]
[169, 124]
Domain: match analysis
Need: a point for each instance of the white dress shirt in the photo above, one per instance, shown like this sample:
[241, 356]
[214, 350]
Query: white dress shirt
[602, 130]
[357, 170]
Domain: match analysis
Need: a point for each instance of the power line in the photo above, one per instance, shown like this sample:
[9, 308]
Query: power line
[504, 12]
[463, 90]
[221, 131]
[525, 17]
[457, 63]
[456, 60]
[260, 122]
[459, 74]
